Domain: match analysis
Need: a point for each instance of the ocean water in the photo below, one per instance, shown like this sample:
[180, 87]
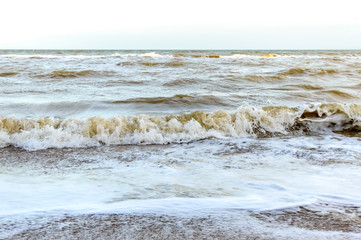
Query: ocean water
[200, 144]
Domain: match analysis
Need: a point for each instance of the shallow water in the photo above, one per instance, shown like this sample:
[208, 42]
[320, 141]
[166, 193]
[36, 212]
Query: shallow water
[266, 142]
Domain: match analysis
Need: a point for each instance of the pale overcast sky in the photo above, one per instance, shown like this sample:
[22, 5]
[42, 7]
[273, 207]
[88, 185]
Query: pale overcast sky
[186, 24]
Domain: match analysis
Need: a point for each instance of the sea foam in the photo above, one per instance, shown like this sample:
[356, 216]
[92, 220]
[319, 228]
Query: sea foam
[42, 133]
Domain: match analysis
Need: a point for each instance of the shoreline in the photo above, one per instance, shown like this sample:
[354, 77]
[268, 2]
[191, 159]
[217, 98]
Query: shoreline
[304, 222]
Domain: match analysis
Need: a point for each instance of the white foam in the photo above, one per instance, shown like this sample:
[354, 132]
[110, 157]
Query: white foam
[148, 54]
[248, 121]
[4, 139]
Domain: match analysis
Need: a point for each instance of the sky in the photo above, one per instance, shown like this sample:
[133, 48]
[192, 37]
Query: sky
[186, 24]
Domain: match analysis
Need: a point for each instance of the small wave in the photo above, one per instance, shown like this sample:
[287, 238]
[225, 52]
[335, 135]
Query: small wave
[197, 55]
[68, 74]
[176, 64]
[125, 64]
[42, 133]
[52, 56]
[268, 55]
[325, 71]
[180, 55]
[243, 55]
[149, 54]
[24, 91]
[204, 56]
[182, 82]
[263, 78]
[57, 55]
[293, 71]
[307, 86]
[111, 83]
[166, 64]
[37, 57]
[177, 100]
[211, 56]
[151, 64]
[338, 93]
[8, 74]
[302, 71]
[30, 56]
[334, 59]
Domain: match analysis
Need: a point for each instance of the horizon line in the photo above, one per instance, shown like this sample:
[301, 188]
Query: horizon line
[184, 49]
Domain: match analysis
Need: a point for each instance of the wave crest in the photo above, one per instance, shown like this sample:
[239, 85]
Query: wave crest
[68, 74]
[8, 74]
[44, 133]
[177, 100]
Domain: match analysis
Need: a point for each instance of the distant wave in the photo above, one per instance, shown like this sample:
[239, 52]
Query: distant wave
[39, 55]
[182, 81]
[151, 64]
[47, 132]
[8, 74]
[295, 72]
[149, 54]
[72, 74]
[307, 86]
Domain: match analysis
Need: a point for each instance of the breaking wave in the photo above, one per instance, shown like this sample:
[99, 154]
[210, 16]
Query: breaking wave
[247, 121]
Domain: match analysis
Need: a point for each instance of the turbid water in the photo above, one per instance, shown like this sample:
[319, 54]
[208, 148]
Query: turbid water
[180, 144]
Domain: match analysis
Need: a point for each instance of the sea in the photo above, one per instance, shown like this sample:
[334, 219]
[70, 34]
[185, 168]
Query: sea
[180, 144]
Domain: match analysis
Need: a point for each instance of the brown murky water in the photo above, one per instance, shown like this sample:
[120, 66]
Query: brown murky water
[180, 144]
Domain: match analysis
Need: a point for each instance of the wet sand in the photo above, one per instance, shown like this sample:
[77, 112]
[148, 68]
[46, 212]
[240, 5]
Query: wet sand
[327, 222]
